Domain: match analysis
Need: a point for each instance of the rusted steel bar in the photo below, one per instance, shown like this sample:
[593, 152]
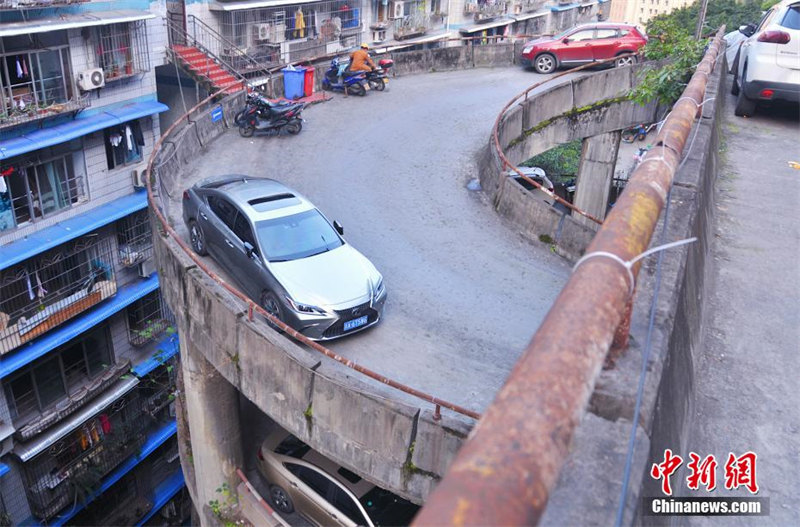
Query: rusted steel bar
[504, 473]
[170, 232]
[621, 336]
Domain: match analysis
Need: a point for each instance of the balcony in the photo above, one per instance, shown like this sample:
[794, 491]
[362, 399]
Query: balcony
[36, 4]
[70, 469]
[33, 112]
[526, 6]
[483, 10]
[64, 282]
[412, 26]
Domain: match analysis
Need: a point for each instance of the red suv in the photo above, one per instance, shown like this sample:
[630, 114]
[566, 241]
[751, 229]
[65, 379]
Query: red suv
[582, 44]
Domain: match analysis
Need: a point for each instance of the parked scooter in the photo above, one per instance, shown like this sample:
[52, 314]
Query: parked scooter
[379, 77]
[263, 115]
[351, 82]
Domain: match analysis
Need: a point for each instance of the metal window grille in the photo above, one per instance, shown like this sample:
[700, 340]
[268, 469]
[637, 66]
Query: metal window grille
[41, 293]
[71, 469]
[38, 186]
[277, 35]
[53, 387]
[36, 83]
[148, 319]
[134, 239]
[122, 50]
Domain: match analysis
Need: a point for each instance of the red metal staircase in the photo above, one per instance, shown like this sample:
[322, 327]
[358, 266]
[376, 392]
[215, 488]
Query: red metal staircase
[203, 66]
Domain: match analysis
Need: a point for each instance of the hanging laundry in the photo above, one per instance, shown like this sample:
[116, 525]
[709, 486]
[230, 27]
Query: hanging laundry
[129, 137]
[24, 67]
[28, 281]
[115, 139]
[19, 69]
[105, 424]
[41, 292]
[3, 187]
[94, 433]
[84, 440]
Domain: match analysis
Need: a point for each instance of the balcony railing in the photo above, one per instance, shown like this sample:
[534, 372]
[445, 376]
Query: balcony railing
[33, 112]
[526, 6]
[483, 10]
[72, 469]
[39, 295]
[412, 25]
[36, 4]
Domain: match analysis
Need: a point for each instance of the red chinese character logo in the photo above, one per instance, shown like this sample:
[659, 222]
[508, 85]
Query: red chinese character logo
[664, 470]
[741, 471]
[704, 472]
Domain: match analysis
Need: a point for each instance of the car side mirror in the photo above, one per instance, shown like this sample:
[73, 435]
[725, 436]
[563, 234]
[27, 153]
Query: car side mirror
[249, 249]
[565, 41]
[747, 30]
[339, 228]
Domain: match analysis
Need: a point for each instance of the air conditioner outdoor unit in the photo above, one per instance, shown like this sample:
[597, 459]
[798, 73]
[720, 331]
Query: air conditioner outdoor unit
[91, 79]
[397, 9]
[138, 178]
[264, 31]
[146, 268]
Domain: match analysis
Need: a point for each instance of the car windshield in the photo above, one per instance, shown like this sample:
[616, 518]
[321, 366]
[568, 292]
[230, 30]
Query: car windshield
[297, 236]
[385, 508]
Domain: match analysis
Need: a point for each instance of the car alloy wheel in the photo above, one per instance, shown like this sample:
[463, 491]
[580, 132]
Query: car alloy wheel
[625, 61]
[197, 239]
[271, 305]
[544, 63]
[280, 499]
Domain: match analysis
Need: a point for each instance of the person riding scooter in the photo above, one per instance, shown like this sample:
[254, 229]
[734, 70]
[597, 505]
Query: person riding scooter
[360, 60]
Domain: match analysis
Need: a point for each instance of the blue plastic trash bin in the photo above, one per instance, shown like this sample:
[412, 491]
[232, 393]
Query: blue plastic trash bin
[293, 80]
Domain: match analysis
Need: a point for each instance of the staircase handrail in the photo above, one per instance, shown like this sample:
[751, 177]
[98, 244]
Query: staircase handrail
[212, 57]
[235, 49]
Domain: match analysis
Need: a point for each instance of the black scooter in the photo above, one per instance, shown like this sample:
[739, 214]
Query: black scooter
[263, 115]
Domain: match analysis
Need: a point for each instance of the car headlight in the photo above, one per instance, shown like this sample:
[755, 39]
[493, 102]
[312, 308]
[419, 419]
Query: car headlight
[305, 309]
[526, 50]
[379, 290]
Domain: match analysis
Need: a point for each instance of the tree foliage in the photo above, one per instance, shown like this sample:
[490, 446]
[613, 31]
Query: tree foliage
[731, 13]
[559, 162]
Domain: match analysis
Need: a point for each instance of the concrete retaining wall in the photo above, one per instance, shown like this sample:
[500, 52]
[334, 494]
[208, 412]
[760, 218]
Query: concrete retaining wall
[401, 446]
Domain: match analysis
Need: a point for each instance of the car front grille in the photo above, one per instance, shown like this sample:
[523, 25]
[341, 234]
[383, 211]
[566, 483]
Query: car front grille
[337, 328]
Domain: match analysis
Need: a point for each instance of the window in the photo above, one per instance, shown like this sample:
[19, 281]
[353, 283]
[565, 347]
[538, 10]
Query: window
[582, 35]
[316, 481]
[41, 293]
[121, 49]
[35, 72]
[148, 319]
[44, 383]
[346, 504]
[242, 229]
[791, 20]
[606, 33]
[123, 144]
[40, 184]
[223, 209]
[134, 238]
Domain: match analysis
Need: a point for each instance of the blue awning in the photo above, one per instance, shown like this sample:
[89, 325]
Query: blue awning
[564, 7]
[165, 491]
[166, 349]
[78, 127]
[3, 469]
[154, 440]
[71, 228]
[77, 325]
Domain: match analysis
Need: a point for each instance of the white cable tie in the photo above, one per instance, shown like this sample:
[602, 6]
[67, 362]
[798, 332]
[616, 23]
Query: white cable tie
[629, 264]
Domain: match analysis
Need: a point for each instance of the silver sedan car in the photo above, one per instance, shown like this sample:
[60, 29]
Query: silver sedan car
[285, 254]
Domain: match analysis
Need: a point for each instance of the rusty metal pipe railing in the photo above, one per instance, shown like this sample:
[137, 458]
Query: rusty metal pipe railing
[253, 307]
[504, 473]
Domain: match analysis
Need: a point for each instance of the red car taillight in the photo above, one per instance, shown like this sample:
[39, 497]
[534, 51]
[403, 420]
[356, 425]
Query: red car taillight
[774, 37]
[767, 93]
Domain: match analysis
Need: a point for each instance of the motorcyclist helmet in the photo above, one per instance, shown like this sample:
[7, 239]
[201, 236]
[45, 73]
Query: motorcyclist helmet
[364, 45]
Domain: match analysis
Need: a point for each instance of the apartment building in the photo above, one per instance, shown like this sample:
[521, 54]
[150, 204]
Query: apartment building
[87, 346]
[641, 11]
[245, 34]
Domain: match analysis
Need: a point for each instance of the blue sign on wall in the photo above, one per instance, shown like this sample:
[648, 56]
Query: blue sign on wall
[216, 114]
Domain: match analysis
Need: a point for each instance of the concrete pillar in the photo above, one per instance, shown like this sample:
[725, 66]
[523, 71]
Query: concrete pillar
[212, 405]
[598, 159]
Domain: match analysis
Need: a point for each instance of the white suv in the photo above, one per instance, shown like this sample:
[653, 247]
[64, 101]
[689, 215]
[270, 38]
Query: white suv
[767, 66]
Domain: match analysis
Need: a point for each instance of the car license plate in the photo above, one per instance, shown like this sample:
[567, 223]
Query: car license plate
[386, 81]
[355, 323]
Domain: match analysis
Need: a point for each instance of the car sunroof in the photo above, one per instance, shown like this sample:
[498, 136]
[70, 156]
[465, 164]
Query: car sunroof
[274, 202]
